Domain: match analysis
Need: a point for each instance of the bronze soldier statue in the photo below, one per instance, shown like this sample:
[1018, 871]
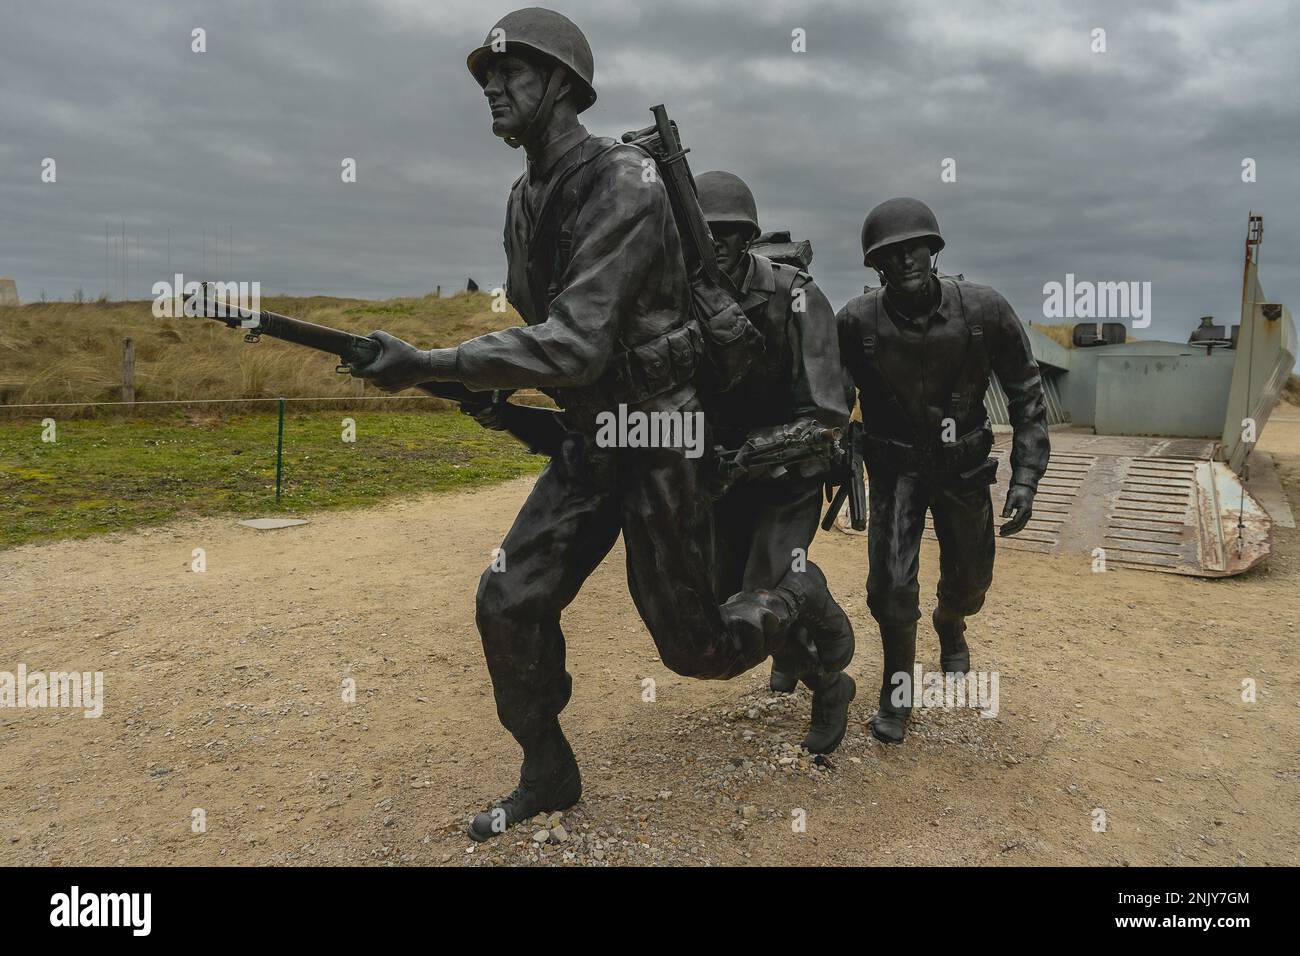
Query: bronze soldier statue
[766, 521]
[596, 269]
[921, 349]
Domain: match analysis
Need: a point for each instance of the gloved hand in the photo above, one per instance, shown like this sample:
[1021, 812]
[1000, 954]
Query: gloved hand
[401, 365]
[1019, 508]
[489, 415]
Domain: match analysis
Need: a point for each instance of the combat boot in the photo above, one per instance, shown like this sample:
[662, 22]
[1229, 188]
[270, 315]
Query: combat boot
[823, 620]
[832, 694]
[781, 682]
[890, 722]
[548, 781]
[954, 654]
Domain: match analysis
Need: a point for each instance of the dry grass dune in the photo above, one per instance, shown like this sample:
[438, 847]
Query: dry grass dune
[70, 352]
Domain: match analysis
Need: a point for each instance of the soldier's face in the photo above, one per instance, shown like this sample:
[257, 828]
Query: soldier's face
[906, 266]
[514, 89]
[730, 240]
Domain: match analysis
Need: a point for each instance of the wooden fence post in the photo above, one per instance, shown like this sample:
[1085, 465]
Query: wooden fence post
[128, 370]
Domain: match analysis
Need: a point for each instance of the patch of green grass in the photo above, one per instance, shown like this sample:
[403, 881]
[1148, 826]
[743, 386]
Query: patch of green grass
[112, 475]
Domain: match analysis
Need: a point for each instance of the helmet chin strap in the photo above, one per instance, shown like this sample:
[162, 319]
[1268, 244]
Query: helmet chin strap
[543, 111]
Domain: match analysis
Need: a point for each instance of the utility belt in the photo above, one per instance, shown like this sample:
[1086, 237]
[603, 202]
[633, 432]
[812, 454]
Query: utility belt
[966, 458]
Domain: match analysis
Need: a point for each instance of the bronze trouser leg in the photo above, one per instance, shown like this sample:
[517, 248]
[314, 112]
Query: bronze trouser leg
[734, 536]
[759, 526]
[567, 525]
[963, 523]
[668, 530]
[897, 520]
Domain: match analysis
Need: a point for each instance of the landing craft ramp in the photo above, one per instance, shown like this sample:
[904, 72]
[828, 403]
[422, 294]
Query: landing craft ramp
[1155, 504]
[1152, 504]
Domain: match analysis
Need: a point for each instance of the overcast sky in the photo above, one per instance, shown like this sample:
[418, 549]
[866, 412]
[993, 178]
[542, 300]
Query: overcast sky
[1123, 165]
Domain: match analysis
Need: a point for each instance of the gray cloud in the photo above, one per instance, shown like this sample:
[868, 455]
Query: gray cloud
[1122, 165]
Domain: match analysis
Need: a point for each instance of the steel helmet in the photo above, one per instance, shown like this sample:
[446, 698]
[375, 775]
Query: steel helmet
[896, 220]
[545, 32]
[724, 197]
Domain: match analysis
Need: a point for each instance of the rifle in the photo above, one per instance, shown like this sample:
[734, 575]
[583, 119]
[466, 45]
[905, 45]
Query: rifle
[731, 342]
[538, 428]
[661, 141]
[773, 451]
[848, 474]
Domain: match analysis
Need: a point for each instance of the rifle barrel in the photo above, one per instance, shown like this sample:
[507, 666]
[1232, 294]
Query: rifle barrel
[697, 239]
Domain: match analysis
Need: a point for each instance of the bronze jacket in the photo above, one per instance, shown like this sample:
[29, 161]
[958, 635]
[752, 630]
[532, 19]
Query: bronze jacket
[800, 375]
[596, 270]
[924, 372]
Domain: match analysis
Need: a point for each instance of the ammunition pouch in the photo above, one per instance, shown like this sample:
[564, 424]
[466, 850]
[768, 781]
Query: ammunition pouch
[964, 461]
[653, 368]
[732, 344]
[663, 368]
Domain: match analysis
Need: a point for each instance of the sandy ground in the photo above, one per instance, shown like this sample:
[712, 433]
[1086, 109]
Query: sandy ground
[1119, 692]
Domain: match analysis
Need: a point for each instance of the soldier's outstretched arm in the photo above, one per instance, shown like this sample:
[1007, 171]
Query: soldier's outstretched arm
[619, 237]
[1013, 361]
[401, 365]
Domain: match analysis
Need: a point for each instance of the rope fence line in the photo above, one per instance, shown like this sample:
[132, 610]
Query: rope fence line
[219, 401]
[280, 403]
